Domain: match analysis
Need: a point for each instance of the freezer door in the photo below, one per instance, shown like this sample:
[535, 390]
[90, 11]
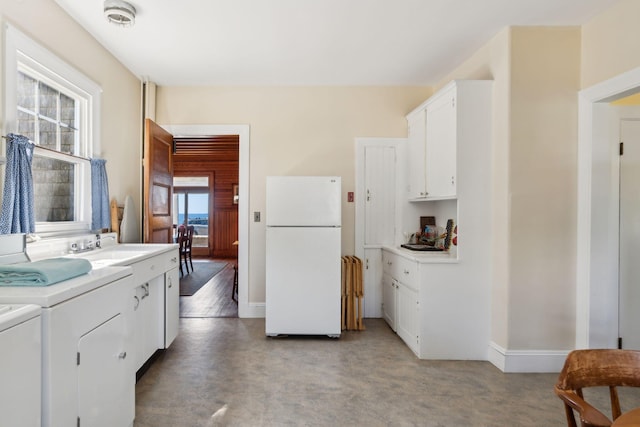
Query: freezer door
[303, 201]
[303, 287]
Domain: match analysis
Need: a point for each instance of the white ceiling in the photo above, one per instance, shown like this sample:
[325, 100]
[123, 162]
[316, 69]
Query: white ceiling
[312, 42]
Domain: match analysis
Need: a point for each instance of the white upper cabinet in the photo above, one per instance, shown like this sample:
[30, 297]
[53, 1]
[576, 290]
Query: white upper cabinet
[417, 122]
[441, 145]
[440, 129]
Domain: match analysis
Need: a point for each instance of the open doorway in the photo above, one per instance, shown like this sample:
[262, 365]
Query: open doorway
[598, 257]
[206, 174]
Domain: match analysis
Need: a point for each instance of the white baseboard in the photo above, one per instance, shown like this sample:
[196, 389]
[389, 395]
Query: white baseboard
[538, 361]
[252, 310]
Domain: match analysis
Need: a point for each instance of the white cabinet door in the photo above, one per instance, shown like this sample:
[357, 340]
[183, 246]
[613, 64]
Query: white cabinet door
[407, 316]
[379, 204]
[105, 385]
[172, 306]
[441, 146]
[416, 154]
[389, 300]
[149, 319]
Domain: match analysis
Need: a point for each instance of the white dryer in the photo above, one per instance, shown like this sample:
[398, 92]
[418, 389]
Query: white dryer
[20, 365]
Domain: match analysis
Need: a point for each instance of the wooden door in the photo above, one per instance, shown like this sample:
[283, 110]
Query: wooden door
[158, 184]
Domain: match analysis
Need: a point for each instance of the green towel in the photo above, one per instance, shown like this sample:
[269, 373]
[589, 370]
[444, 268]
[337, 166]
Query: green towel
[43, 273]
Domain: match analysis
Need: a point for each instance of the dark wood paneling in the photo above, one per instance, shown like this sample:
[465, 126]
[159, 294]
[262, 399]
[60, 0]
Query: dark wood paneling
[221, 159]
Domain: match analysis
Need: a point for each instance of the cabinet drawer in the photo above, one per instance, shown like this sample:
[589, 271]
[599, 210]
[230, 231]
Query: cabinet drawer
[147, 269]
[401, 269]
[388, 261]
[406, 271]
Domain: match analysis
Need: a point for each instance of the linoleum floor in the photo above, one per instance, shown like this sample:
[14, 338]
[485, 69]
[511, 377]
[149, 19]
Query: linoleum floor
[225, 372]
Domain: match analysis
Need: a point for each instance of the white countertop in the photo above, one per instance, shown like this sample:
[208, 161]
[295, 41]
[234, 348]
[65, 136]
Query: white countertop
[48, 296]
[424, 257]
[14, 314]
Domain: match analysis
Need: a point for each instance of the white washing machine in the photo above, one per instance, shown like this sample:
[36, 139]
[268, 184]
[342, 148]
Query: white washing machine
[20, 365]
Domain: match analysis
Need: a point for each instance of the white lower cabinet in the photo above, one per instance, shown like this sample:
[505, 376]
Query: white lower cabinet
[400, 305]
[149, 319]
[88, 368]
[407, 316]
[389, 300]
[172, 306]
[103, 390]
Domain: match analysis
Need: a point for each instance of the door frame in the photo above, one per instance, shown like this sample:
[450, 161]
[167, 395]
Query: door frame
[245, 308]
[598, 211]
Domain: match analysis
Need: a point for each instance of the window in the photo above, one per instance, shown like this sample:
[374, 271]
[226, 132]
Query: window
[57, 108]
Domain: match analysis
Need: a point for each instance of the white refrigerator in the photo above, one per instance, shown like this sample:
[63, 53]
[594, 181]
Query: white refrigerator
[303, 250]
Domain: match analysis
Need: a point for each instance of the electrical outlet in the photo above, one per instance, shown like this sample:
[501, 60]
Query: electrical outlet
[350, 196]
[256, 217]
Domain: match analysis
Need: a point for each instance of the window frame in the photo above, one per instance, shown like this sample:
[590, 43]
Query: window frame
[24, 54]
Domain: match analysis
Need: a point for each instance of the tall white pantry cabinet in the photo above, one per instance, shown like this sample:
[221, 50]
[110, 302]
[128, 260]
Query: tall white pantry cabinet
[440, 304]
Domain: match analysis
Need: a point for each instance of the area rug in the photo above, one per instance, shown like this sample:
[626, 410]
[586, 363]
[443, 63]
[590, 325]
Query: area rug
[201, 274]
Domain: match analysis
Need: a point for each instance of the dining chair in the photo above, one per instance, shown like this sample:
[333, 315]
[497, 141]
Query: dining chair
[190, 233]
[183, 243]
[596, 368]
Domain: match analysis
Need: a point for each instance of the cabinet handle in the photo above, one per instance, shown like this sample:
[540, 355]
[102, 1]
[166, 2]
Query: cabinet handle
[122, 355]
[137, 303]
[406, 272]
[146, 290]
[368, 195]
[170, 282]
[174, 260]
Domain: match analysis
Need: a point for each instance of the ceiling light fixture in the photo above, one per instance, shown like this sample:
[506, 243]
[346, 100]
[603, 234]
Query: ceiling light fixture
[119, 12]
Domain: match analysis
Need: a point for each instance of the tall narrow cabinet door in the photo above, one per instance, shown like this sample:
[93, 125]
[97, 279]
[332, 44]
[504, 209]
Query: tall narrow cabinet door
[441, 146]
[380, 181]
[416, 152]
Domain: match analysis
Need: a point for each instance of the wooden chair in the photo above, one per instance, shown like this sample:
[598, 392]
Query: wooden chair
[596, 368]
[185, 239]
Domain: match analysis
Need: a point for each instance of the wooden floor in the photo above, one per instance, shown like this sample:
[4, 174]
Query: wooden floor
[214, 298]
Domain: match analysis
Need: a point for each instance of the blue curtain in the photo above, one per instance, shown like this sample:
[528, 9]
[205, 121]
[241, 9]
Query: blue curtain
[17, 214]
[100, 212]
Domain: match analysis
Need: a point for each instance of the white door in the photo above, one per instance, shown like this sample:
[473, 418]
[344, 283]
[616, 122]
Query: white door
[379, 204]
[407, 315]
[629, 322]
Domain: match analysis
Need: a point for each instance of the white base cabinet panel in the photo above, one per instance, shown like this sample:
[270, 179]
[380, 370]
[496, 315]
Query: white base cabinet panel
[72, 366]
[407, 316]
[172, 306]
[102, 389]
[389, 300]
[400, 298]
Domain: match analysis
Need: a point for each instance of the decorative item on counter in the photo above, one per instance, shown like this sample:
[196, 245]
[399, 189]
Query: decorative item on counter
[455, 236]
[447, 239]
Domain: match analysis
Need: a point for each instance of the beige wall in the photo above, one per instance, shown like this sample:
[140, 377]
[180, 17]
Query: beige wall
[492, 62]
[121, 124]
[545, 78]
[536, 77]
[610, 43]
[294, 131]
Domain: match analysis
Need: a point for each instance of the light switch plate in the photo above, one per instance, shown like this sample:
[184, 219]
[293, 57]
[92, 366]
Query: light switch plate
[256, 217]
